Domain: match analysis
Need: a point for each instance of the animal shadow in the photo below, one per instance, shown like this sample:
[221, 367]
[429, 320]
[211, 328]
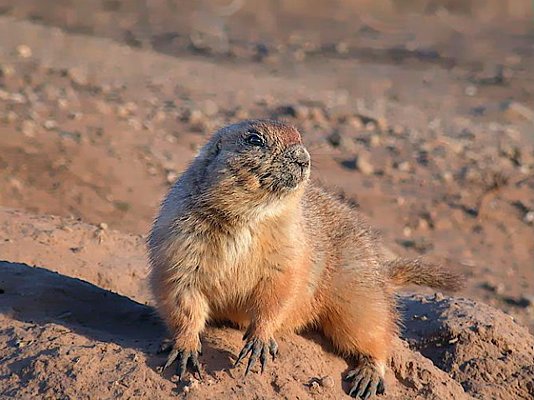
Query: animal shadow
[38, 296]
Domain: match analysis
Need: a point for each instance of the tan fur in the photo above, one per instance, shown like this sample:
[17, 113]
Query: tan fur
[229, 245]
[419, 272]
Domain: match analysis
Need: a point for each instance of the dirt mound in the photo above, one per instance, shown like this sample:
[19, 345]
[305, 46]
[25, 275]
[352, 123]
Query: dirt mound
[66, 338]
[481, 348]
[98, 255]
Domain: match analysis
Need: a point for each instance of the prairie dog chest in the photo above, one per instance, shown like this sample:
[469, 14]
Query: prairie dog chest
[226, 265]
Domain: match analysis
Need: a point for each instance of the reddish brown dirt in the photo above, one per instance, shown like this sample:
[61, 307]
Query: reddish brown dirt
[421, 115]
[66, 338]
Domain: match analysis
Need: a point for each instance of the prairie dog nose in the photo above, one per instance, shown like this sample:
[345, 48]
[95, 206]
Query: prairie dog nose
[299, 155]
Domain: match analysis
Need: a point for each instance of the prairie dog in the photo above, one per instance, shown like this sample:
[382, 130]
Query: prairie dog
[243, 235]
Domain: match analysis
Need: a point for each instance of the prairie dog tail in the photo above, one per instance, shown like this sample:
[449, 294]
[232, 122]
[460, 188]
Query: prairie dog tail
[405, 271]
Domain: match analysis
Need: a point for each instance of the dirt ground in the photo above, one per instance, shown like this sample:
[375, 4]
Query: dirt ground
[63, 337]
[421, 113]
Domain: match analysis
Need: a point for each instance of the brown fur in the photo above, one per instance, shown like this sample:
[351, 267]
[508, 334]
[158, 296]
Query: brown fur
[243, 236]
[419, 272]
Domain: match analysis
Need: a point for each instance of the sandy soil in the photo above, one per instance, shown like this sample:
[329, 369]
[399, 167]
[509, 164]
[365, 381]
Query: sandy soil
[426, 126]
[64, 337]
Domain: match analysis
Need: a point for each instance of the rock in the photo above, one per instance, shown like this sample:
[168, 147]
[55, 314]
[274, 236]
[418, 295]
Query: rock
[510, 151]
[400, 201]
[299, 55]
[438, 296]
[261, 52]
[382, 124]
[210, 108]
[301, 112]
[422, 245]
[334, 138]
[171, 176]
[471, 90]
[355, 122]
[50, 124]
[424, 224]
[10, 116]
[171, 138]
[375, 140]
[298, 111]
[75, 115]
[16, 184]
[342, 48]
[24, 51]
[135, 123]
[192, 384]
[339, 111]
[527, 300]
[363, 164]
[127, 109]
[28, 128]
[18, 98]
[529, 217]
[241, 113]
[497, 288]
[492, 74]
[371, 126]
[198, 120]
[447, 176]
[327, 382]
[315, 387]
[195, 117]
[287, 109]
[7, 70]
[63, 103]
[318, 115]
[160, 116]
[404, 166]
[78, 75]
[517, 110]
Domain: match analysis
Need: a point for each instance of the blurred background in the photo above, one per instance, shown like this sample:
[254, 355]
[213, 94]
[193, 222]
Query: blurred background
[421, 112]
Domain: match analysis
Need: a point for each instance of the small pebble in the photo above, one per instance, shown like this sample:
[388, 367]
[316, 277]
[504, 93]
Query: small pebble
[375, 141]
[171, 176]
[364, 165]
[28, 128]
[438, 296]
[529, 217]
[516, 109]
[50, 124]
[404, 166]
[471, 90]
[315, 387]
[342, 48]
[24, 51]
[210, 108]
[78, 76]
[327, 382]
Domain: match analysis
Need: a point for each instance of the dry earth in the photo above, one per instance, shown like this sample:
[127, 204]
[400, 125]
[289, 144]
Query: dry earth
[94, 338]
[424, 121]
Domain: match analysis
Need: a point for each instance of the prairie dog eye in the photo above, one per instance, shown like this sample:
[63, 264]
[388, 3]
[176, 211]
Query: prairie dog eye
[255, 139]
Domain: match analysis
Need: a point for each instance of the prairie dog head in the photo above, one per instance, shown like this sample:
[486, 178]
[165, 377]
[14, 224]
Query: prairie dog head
[253, 162]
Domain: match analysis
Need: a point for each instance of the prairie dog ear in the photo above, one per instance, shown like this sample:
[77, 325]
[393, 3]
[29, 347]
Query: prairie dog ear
[203, 162]
[210, 150]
